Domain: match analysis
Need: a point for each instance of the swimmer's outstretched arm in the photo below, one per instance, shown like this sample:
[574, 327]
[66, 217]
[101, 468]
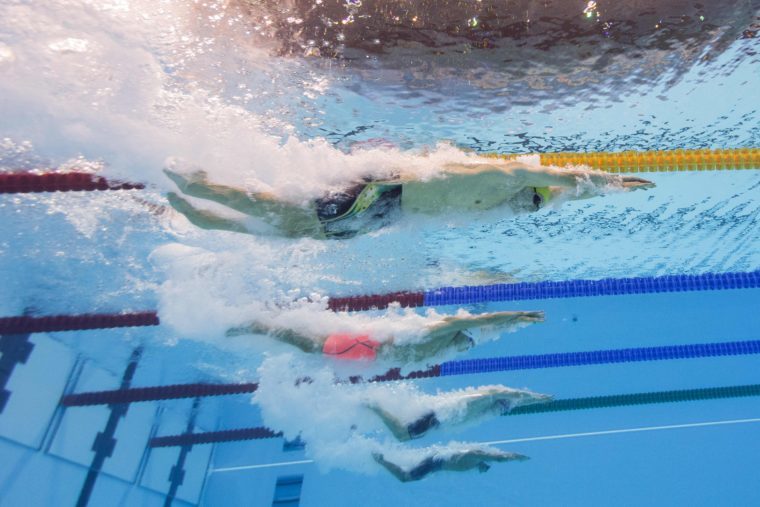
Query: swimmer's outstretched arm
[467, 460]
[449, 334]
[399, 430]
[452, 323]
[303, 342]
[541, 176]
[489, 399]
[521, 175]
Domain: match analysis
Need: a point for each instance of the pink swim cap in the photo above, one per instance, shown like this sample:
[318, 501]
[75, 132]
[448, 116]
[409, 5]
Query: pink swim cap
[351, 347]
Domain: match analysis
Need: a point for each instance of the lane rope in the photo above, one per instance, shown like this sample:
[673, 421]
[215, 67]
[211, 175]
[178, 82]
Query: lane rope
[640, 429]
[592, 402]
[525, 291]
[26, 182]
[652, 161]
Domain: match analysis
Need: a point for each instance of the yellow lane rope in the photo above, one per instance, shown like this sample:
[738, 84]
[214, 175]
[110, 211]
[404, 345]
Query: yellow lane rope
[653, 161]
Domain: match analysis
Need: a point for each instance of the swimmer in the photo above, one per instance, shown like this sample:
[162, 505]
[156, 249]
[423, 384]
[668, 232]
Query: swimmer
[448, 334]
[478, 403]
[375, 204]
[456, 461]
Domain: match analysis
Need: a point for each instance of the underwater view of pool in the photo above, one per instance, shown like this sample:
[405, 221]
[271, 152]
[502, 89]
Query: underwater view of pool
[378, 252]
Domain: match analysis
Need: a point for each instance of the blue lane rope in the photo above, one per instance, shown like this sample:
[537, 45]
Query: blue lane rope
[468, 366]
[585, 288]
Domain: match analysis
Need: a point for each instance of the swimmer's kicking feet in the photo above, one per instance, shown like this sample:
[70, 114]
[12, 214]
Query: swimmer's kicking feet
[453, 461]
[449, 334]
[471, 404]
[374, 204]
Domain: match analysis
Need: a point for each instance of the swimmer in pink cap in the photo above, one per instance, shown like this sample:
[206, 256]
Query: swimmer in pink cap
[452, 333]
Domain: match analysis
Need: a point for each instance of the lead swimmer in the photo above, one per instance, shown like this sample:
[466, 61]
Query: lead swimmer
[371, 205]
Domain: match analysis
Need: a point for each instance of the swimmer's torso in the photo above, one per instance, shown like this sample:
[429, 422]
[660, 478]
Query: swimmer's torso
[370, 206]
[457, 192]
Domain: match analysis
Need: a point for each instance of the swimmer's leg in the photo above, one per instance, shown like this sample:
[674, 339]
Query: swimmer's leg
[289, 336]
[196, 184]
[292, 219]
[399, 430]
[393, 468]
[203, 218]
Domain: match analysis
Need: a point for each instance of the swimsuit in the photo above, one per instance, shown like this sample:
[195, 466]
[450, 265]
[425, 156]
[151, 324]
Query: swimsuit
[361, 208]
[541, 195]
[426, 466]
[375, 204]
[422, 425]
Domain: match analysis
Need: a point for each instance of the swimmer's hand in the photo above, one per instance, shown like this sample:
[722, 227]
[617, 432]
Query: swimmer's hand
[634, 183]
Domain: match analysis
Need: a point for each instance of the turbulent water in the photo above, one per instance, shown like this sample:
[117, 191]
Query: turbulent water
[275, 96]
[297, 98]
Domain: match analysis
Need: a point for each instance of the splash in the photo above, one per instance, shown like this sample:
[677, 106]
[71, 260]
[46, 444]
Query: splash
[335, 420]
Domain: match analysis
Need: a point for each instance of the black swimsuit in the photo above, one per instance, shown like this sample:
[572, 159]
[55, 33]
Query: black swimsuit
[426, 466]
[422, 425]
[361, 208]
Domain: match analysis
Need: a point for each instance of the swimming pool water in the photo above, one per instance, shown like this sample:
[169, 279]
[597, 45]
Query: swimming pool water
[128, 84]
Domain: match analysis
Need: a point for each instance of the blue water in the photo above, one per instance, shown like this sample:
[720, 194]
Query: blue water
[179, 89]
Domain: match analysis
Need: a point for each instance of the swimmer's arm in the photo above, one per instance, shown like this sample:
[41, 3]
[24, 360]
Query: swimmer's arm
[520, 175]
[452, 324]
[448, 334]
[553, 177]
[430, 345]
[541, 176]
[289, 336]
[472, 459]
[399, 430]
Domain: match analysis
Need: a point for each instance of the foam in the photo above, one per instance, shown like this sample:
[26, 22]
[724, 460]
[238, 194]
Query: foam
[127, 88]
[334, 419]
[207, 292]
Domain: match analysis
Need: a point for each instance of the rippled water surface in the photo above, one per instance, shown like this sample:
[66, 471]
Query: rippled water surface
[296, 98]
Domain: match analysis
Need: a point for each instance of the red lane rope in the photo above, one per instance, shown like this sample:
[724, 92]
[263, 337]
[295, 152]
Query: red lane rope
[351, 303]
[24, 182]
[176, 391]
[28, 324]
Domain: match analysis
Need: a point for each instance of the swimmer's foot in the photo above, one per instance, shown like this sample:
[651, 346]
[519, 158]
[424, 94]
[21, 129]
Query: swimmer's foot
[184, 180]
[179, 203]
